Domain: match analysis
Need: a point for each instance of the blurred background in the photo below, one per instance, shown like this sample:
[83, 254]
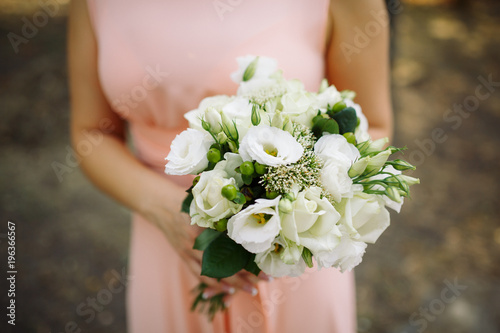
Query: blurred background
[436, 269]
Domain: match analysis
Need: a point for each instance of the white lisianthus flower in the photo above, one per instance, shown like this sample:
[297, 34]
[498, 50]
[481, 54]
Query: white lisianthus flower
[188, 153]
[263, 70]
[274, 262]
[209, 205]
[347, 255]
[338, 155]
[215, 103]
[364, 216]
[270, 146]
[256, 227]
[361, 131]
[312, 222]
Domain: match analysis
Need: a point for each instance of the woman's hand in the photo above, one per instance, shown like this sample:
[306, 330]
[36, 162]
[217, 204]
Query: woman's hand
[162, 208]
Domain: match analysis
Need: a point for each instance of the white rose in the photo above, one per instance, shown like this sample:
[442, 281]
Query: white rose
[229, 164]
[208, 205]
[364, 216]
[272, 261]
[347, 255]
[188, 153]
[298, 106]
[330, 96]
[338, 156]
[215, 103]
[270, 146]
[264, 68]
[256, 227]
[361, 131]
[312, 222]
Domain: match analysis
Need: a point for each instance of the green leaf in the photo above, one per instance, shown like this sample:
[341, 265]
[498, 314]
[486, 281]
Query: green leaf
[224, 258]
[252, 267]
[325, 125]
[187, 202]
[346, 119]
[250, 70]
[205, 238]
[307, 256]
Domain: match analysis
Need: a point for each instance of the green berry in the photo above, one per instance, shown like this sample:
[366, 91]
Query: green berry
[221, 225]
[339, 106]
[229, 192]
[259, 168]
[196, 180]
[213, 155]
[350, 137]
[246, 168]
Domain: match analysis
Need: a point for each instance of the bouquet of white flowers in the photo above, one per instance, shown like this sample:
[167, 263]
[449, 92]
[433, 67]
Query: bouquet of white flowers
[284, 176]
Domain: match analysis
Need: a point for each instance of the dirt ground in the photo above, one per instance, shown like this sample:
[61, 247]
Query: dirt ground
[436, 269]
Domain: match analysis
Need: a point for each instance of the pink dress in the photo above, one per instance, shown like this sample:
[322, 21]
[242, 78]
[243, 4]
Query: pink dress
[157, 60]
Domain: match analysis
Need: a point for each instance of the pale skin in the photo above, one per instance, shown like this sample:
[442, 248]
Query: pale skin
[158, 199]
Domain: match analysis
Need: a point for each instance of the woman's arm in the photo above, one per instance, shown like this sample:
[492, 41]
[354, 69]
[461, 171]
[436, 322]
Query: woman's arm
[358, 59]
[109, 163]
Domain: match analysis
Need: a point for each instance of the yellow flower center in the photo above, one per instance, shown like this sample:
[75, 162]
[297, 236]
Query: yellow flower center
[260, 217]
[272, 152]
[277, 248]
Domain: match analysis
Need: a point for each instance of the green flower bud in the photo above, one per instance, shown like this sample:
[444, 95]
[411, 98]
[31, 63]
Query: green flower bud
[259, 168]
[246, 168]
[376, 162]
[347, 94]
[285, 206]
[255, 115]
[250, 70]
[213, 155]
[229, 192]
[221, 225]
[358, 167]
[229, 127]
[350, 137]
[323, 86]
[206, 126]
[393, 194]
[221, 138]
[402, 165]
[377, 145]
[409, 180]
[233, 146]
